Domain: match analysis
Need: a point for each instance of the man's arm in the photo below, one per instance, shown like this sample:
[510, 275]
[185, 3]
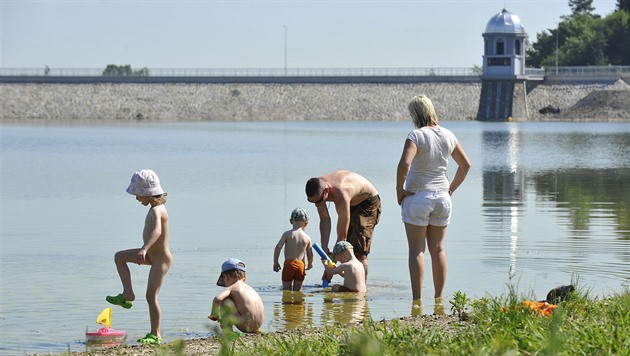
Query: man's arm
[324, 225]
[343, 217]
[309, 256]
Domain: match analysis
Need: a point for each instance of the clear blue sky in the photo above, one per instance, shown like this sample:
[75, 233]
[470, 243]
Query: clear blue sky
[251, 34]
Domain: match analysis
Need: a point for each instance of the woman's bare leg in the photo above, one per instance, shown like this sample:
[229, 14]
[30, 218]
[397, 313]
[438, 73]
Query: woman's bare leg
[435, 244]
[416, 241]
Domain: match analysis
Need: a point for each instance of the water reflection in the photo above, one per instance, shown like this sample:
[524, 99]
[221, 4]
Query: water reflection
[589, 196]
[416, 307]
[294, 312]
[503, 189]
[580, 214]
[344, 308]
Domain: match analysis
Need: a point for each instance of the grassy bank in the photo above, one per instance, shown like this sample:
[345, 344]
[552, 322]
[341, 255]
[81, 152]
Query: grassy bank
[493, 325]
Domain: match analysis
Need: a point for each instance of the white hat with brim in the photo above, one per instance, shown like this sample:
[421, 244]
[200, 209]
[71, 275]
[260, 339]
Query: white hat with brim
[145, 183]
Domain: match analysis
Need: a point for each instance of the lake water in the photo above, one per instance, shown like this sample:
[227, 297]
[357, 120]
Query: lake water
[544, 203]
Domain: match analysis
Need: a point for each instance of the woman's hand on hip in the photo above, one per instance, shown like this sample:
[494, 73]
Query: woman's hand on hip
[402, 194]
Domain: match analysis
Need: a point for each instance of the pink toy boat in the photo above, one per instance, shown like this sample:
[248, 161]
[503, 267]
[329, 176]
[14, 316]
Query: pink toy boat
[105, 335]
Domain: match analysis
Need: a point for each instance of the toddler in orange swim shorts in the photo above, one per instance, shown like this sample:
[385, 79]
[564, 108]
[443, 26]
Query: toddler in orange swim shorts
[297, 247]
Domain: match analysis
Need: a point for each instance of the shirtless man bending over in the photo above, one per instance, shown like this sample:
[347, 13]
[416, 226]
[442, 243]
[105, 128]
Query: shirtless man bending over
[358, 207]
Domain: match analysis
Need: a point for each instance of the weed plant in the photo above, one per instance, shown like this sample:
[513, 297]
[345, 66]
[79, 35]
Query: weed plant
[497, 325]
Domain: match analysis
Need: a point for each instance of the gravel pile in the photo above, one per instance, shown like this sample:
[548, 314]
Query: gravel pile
[581, 102]
[280, 102]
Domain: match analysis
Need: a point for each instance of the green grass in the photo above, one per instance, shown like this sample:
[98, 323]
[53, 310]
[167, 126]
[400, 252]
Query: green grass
[494, 326]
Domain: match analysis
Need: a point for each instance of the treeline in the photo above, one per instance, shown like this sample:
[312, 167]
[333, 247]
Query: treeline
[113, 70]
[584, 38]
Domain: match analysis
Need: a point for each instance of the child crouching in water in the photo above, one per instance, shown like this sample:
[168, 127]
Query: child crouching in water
[351, 269]
[155, 251]
[297, 247]
[238, 304]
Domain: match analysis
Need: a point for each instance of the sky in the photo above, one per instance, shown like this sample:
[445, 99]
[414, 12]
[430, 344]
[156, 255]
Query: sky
[260, 33]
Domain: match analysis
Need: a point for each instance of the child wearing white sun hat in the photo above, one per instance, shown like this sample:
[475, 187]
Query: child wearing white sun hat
[155, 251]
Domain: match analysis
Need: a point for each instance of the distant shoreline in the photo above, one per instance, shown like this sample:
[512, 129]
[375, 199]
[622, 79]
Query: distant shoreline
[106, 103]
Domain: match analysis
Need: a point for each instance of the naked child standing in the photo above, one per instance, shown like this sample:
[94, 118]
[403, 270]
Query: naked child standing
[155, 251]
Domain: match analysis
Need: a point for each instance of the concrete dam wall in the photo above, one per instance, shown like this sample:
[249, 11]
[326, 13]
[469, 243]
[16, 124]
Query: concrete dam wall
[120, 102]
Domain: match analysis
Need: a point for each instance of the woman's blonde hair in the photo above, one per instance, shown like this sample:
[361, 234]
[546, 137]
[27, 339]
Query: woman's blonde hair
[422, 111]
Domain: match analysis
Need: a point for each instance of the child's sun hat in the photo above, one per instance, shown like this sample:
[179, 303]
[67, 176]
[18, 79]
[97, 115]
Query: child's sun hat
[299, 214]
[341, 246]
[145, 183]
[228, 265]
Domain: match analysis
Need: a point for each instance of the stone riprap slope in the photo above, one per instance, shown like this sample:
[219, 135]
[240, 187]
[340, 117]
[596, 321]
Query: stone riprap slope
[581, 102]
[231, 102]
[277, 102]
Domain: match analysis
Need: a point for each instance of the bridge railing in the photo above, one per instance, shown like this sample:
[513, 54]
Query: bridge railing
[588, 70]
[249, 72]
[313, 72]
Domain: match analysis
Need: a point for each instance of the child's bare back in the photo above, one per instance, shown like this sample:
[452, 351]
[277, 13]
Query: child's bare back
[296, 244]
[249, 306]
[350, 268]
[353, 274]
[297, 249]
[238, 304]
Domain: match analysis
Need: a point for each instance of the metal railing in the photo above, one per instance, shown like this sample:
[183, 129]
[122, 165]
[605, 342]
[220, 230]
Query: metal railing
[535, 73]
[588, 70]
[250, 72]
[315, 72]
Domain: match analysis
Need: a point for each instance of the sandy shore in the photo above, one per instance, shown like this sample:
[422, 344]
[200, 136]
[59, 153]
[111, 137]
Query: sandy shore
[108, 103]
[212, 346]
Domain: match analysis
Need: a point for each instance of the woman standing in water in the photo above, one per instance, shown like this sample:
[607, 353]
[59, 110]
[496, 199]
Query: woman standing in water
[424, 192]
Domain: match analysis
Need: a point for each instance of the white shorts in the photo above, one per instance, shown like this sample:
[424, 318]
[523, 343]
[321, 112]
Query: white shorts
[427, 207]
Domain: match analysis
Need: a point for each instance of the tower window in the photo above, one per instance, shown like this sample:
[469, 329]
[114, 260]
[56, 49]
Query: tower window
[517, 47]
[503, 61]
[500, 47]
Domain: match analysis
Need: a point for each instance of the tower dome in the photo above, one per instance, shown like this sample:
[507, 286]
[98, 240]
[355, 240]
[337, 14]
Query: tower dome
[505, 22]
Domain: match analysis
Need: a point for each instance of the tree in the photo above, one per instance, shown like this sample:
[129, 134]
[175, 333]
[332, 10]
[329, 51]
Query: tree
[539, 51]
[113, 70]
[584, 39]
[584, 42]
[623, 5]
[617, 32]
[581, 7]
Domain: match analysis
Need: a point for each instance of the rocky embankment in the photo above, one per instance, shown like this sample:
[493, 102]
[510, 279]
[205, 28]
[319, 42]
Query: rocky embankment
[292, 102]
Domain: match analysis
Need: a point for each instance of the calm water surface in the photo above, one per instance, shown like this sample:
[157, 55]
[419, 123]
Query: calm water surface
[543, 204]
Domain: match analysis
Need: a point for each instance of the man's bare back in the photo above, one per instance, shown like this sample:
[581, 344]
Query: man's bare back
[349, 187]
[346, 190]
